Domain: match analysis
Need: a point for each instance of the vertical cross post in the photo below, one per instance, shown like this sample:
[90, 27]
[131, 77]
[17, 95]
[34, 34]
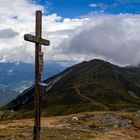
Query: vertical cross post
[38, 40]
[37, 77]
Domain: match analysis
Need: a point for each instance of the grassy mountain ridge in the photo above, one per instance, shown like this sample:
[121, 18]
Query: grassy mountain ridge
[88, 86]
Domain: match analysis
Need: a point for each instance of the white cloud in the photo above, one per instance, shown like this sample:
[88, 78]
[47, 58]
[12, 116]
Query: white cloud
[115, 38]
[17, 18]
[7, 33]
[93, 5]
[102, 6]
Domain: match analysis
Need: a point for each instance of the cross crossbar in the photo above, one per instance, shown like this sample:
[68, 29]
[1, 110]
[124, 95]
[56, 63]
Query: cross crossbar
[36, 39]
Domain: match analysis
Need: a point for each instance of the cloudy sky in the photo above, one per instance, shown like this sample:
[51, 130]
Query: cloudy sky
[78, 30]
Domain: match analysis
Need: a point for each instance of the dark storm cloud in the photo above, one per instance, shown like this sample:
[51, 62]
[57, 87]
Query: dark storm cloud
[115, 38]
[7, 33]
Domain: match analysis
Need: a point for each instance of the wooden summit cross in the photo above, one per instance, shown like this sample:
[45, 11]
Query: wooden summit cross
[38, 40]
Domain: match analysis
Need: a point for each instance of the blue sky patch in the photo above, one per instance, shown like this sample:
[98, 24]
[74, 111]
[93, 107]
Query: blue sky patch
[77, 8]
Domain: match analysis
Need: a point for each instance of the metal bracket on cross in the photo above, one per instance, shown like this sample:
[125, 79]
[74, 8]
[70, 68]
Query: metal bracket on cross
[43, 87]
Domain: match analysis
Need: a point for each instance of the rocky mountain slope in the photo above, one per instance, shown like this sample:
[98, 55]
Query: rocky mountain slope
[88, 86]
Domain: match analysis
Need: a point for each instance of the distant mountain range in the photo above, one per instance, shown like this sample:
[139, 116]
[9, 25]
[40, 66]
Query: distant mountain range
[15, 77]
[89, 86]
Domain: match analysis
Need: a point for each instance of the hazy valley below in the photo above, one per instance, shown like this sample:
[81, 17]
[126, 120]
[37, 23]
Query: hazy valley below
[15, 77]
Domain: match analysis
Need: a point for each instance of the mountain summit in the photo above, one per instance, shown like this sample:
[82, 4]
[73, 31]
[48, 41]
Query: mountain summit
[88, 86]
